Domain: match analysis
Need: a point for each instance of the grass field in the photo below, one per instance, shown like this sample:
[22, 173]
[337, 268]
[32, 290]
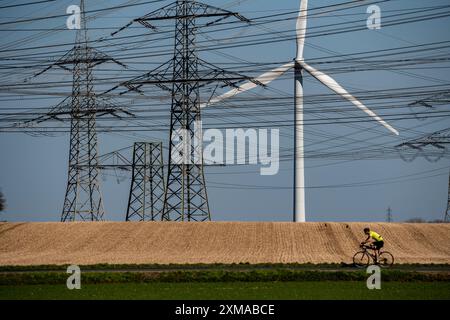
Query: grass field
[352, 290]
[224, 282]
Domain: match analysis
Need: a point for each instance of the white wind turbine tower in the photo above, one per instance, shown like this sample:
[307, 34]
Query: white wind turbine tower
[299, 65]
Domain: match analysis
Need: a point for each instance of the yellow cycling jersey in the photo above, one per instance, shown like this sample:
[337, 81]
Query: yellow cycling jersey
[375, 236]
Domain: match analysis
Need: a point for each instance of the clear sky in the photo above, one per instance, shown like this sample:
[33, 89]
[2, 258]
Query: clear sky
[33, 169]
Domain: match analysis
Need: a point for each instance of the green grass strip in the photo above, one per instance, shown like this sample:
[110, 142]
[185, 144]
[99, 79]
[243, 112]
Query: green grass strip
[281, 275]
[341, 290]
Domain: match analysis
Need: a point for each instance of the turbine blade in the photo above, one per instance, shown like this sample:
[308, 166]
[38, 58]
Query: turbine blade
[265, 78]
[301, 28]
[333, 85]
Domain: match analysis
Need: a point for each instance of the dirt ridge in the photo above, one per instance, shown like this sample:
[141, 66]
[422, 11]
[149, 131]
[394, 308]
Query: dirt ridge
[45, 243]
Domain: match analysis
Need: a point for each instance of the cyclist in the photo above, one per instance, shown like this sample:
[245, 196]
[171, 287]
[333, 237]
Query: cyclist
[377, 242]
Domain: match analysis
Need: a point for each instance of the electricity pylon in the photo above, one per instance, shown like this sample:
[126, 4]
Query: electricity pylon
[147, 185]
[389, 215]
[432, 146]
[146, 199]
[185, 196]
[83, 199]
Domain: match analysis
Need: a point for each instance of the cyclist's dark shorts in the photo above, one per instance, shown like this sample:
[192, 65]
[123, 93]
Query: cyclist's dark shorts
[378, 244]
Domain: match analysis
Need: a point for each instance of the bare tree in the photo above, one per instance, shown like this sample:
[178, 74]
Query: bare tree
[2, 202]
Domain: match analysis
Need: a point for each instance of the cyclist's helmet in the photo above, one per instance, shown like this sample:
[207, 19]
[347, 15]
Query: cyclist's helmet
[366, 230]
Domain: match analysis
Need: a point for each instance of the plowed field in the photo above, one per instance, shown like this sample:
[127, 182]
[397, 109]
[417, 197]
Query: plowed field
[213, 242]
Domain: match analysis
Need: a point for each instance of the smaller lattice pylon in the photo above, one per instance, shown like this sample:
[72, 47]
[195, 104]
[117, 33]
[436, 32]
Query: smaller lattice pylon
[146, 200]
[389, 215]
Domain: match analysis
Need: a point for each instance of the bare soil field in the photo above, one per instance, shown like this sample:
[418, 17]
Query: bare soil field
[91, 243]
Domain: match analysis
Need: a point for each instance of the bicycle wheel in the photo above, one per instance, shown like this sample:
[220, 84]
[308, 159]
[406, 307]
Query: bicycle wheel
[386, 259]
[361, 259]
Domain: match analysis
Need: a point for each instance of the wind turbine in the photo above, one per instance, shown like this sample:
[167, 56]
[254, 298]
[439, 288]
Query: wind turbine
[299, 65]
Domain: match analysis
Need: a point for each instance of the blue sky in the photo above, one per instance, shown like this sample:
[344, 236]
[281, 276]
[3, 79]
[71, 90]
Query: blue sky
[33, 170]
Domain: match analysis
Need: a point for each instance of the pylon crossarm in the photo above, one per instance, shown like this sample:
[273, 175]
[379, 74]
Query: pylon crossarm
[103, 57]
[58, 63]
[63, 112]
[93, 56]
[230, 78]
[90, 56]
[437, 139]
[202, 10]
[142, 20]
[63, 106]
[169, 12]
[158, 76]
[105, 107]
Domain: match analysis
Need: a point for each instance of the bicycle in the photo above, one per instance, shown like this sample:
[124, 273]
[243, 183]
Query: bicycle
[363, 258]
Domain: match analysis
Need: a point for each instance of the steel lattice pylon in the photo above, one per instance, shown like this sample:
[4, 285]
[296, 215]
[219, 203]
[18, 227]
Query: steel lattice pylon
[185, 195]
[83, 199]
[146, 199]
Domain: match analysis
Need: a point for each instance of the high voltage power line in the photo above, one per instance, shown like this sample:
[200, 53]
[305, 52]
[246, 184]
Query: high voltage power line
[260, 110]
